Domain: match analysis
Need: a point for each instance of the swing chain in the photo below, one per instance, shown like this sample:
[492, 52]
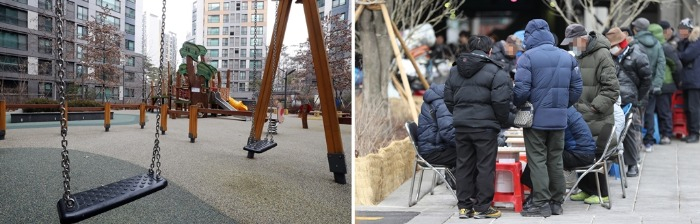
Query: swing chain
[274, 68]
[255, 71]
[155, 159]
[65, 161]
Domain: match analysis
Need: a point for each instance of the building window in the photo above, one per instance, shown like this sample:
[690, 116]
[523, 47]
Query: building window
[132, 1]
[241, 87]
[241, 64]
[213, 52]
[256, 52]
[213, 18]
[321, 3]
[212, 30]
[82, 31]
[114, 5]
[13, 40]
[131, 61]
[213, 42]
[225, 31]
[224, 42]
[224, 53]
[130, 77]
[321, 15]
[342, 16]
[227, 5]
[13, 64]
[257, 17]
[243, 53]
[244, 18]
[258, 29]
[79, 52]
[244, 42]
[214, 63]
[226, 18]
[224, 64]
[130, 29]
[241, 75]
[244, 30]
[244, 5]
[130, 13]
[13, 16]
[255, 64]
[214, 6]
[45, 67]
[255, 41]
[83, 13]
[45, 23]
[45, 45]
[111, 20]
[20, 1]
[45, 4]
[129, 44]
[337, 3]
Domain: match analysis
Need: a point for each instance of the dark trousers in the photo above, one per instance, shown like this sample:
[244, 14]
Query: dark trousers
[633, 138]
[588, 185]
[544, 150]
[571, 161]
[476, 160]
[692, 110]
[661, 105]
[448, 157]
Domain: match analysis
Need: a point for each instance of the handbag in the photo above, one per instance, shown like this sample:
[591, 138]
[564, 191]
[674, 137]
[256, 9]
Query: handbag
[523, 118]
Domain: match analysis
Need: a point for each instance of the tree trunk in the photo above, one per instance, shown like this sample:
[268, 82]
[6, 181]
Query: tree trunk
[377, 56]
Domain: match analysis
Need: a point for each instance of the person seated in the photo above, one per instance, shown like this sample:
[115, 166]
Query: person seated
[436, 135]
[579, 150]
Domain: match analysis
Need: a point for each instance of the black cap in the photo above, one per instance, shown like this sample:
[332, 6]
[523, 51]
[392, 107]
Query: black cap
[573, 31]
[664, 24]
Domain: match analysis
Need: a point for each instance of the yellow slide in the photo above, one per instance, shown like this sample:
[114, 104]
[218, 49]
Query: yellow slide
[237, 104]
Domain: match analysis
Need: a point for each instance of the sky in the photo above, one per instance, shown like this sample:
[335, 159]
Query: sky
[178, 19]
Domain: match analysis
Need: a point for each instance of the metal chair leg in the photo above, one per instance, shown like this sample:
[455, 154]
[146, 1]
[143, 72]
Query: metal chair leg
[413, 182]
[434, 183]
[420, 184]
[621, 163]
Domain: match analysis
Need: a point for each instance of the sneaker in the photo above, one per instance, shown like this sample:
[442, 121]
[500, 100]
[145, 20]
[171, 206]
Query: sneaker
[593, 200]
[648, 147]
[465, 213]
[580, 196]
[665, 140]
[692, 139]
[489, 213]
[537, 211]
[556, 208]
[632, 171]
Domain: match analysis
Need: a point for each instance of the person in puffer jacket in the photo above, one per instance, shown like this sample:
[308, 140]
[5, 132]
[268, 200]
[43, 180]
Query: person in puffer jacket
[478, 93]
[549, 78]
[689, 50]
[634, 75]
[657, 62]
[436, 135]
[672, 77]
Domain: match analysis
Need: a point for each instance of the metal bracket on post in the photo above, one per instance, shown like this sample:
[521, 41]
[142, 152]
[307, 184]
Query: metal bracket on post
[336, 163]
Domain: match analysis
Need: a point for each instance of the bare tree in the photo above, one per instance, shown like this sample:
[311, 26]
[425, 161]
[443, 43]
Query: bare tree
[620, 12]
[102, 52]
[339, 46]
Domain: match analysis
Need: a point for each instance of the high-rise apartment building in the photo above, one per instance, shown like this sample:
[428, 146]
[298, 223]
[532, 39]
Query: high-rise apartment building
[226, 29]
[27, 59]
[152, 47]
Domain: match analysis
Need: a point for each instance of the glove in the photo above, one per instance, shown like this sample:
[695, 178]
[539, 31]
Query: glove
[656, 91]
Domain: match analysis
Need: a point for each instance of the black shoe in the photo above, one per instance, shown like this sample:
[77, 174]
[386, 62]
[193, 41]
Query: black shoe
[632, 171]
[556, 208]
[692, 139]
[489, 213]
[528, 202]
[535, 211]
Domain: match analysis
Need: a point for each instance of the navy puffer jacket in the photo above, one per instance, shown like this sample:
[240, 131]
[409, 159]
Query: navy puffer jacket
[435, 134]
[548, 77]
[689, 51]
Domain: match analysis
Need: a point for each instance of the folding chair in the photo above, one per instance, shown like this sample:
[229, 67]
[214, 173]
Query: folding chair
[423, 165]
[600, 167]
[619, 157]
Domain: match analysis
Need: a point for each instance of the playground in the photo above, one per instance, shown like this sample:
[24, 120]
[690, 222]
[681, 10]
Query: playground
[210, 181]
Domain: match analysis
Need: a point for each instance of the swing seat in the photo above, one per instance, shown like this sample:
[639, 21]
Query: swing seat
[95, 201]
[260, 146]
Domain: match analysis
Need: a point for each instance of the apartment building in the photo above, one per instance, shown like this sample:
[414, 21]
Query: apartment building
[27, 59]
[152, 28]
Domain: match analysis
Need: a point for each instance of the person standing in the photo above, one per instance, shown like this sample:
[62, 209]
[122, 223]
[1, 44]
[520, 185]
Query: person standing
[478, 93]
[600, 85]
[634, 75]
[671, 79]
[549, 78]
[505, 52]
[657, 62]
[689, 50]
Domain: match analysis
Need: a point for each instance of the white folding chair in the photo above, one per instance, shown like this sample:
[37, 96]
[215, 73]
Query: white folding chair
[600, 167]
[423, 165]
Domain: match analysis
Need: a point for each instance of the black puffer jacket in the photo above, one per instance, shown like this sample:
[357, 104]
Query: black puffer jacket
[498, 54]
[478, 92]
[634, 75]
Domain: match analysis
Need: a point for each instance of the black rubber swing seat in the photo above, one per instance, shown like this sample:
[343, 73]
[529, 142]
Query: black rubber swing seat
[260, 146]
[95, 201]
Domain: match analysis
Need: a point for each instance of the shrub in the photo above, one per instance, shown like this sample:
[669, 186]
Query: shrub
[40, 101]
[83, 103]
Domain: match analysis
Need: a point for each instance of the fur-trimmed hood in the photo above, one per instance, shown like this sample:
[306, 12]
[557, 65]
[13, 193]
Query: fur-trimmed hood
[695, 34]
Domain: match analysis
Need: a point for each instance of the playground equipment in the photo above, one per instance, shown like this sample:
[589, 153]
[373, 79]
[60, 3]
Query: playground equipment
[79, 206]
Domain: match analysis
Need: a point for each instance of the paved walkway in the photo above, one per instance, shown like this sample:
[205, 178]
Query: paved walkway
[667, 191]
[288, 184]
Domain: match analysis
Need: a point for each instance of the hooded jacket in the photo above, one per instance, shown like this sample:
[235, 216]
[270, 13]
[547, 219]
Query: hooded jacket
[546, 76]
[498, 54]
[478, 92]
[435, 131]
[577, 136]
[600, 85]
[674, 67]
[657, 61]
[634, 74]
[690, 56]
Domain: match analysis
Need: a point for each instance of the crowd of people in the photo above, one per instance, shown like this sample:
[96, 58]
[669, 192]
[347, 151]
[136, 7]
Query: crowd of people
[574, 94]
